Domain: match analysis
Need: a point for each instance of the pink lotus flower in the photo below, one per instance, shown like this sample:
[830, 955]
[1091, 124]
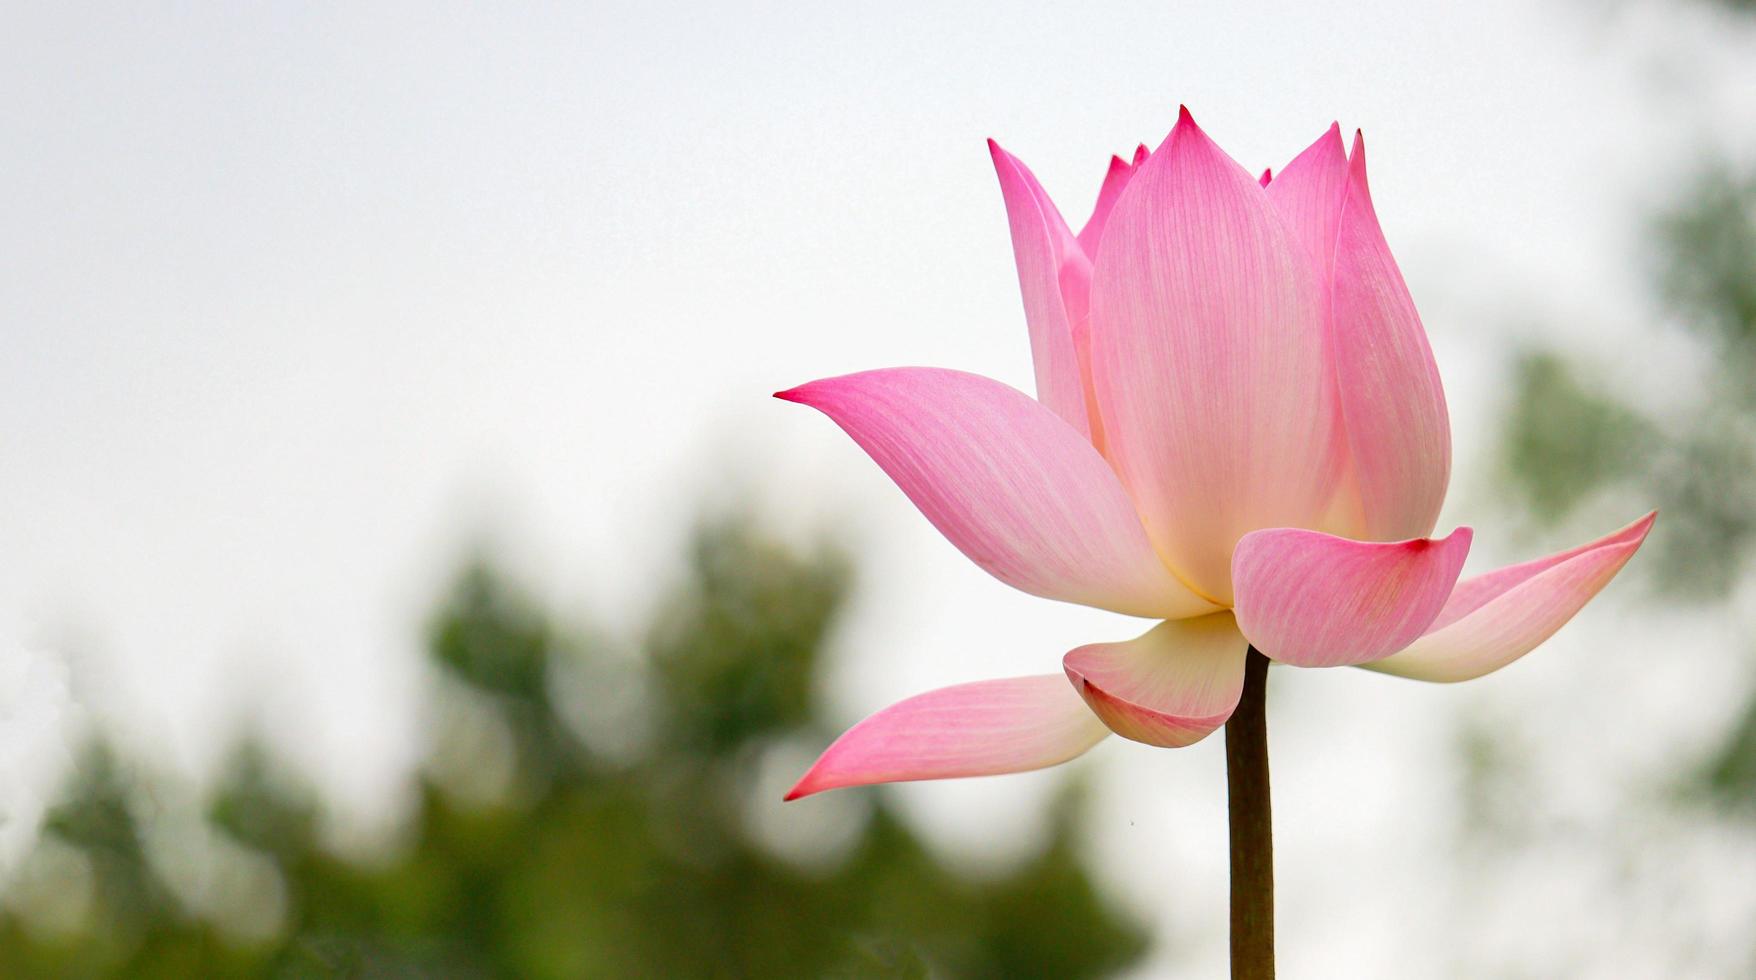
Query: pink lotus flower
[1239, 430]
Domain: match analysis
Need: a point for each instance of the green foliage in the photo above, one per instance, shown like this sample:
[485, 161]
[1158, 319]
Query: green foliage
[735, 653]
[583, 865]
[1566, 441]
[1706, 485]
[1569, 436]
[1708, 264]
[1729, 778]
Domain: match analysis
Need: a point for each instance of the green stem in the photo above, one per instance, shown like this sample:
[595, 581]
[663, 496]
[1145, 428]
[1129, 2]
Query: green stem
[1252, 834]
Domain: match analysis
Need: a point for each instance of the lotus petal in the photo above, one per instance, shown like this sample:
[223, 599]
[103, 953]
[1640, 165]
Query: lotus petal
[1171, 686]
[1393, 405]
[1006, 481]
[1316, 600]
[1207, 353]
[1493, 619]
[980, 729]
[1046, 253]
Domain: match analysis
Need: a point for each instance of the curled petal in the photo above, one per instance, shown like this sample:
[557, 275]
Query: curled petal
[1493, 619]
[1208, 359]
[1047, 254]
[980, 729]
[1008, 483]
[1316, 600]
[1169, 687]
[1393, 406]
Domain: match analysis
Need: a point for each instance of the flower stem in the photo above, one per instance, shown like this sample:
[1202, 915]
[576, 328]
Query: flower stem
[1252, 834]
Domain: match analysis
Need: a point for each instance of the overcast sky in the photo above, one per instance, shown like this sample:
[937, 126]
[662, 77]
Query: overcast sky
[298, 303]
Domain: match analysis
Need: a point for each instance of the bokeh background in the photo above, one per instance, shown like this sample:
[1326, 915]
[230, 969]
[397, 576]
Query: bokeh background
[404, 572]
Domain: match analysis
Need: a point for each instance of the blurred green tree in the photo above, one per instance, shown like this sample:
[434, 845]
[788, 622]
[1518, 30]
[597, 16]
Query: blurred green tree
[1570, 437]
[554, 835]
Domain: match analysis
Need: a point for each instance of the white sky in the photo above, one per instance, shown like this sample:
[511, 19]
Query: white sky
[298, 303]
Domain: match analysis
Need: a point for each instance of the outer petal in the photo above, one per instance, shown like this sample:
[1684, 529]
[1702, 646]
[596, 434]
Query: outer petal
[1046, 251]
[1308, 194]
[1398, 431]
[978, 729]
[1208, 359]
[1008, 483]
[1169, 687]
[1315, 600]
[1493, 619]
[1114, 181]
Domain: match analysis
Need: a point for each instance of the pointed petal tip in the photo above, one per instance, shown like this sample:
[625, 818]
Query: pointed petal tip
[796, 395]
[1356, 162]
[1003, 159]
[999, 155]
[1267, 175]
[820, 778]
[1631, 535]
[1185, 122]
[1140, 154]
[826, 772]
